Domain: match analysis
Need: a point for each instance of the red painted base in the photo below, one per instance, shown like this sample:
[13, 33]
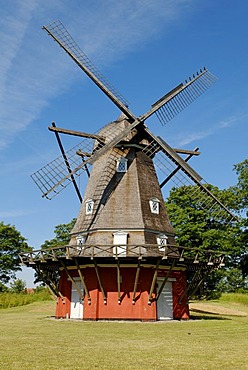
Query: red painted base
[126, 309]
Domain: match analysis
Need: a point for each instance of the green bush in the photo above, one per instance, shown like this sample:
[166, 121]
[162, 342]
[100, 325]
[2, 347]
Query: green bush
[10, 299]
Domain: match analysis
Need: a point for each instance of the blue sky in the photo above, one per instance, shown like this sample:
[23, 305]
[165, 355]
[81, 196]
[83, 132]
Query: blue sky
[145, 48]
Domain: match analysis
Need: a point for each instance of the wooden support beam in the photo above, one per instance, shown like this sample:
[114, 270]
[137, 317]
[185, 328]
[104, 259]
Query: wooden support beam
[100, 283]
[119, 282]
[153, 282]
[76, 133]
[72, 280]
[179, 167]
[136, 282]
[196, 275]
[83, 154]
[165, 279]
[194, 290]
[83, 282]
[54, 128]
[52, 287]
[51, 291]
[183, 151]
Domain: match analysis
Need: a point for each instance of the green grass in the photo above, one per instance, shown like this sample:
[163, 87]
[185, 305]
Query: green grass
[234, 297]
[31, 339]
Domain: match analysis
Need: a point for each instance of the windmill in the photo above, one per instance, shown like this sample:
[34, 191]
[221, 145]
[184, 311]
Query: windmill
[122, 258]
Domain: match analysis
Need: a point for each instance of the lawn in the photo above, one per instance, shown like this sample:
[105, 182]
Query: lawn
[31, 339]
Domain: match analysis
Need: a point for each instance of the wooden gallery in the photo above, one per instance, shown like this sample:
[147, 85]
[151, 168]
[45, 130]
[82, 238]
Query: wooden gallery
[122, 261]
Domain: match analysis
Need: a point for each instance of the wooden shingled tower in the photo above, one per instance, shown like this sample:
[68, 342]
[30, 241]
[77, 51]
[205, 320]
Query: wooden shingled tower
[122, 261]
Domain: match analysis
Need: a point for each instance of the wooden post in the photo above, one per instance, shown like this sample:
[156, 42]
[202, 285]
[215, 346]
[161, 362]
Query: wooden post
[119, 282]
[72, 280]
[197, 273]
[165, 279]
[136, 282]
[83, 282]
[153, 282]
[100, 283]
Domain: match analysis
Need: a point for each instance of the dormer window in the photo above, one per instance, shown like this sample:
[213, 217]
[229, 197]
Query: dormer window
[154, 205]
[121, 165]
[80, 239]
[89, 204]
[162, 242]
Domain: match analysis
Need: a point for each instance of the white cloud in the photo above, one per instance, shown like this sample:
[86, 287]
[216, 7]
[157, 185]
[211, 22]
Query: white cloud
[188, 138]
[33, 70]
[15, 213]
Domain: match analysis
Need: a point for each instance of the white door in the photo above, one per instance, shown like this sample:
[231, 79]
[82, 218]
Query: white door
[120, 240]
[165, 302]
[76, 302]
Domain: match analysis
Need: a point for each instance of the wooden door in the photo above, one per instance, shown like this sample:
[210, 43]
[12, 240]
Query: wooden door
[165, 301]
[76, 302]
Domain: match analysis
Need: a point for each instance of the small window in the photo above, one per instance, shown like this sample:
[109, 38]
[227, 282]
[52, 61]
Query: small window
[120, 242]
[89, 204]
[162, 242]
[121, 165]
[80, 240]
[154, 205]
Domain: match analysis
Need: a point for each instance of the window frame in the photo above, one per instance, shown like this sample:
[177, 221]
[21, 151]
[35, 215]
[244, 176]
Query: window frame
[89, 202]
[122, 161]
[163, 245]
[153, 201]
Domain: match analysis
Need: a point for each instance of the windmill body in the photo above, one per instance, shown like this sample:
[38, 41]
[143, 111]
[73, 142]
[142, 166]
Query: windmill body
[122, 261]
[122, 189]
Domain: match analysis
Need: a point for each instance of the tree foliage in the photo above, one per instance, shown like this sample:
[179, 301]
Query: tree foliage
[11, 244]
[195, 227]
[62, 235]
[18, 286]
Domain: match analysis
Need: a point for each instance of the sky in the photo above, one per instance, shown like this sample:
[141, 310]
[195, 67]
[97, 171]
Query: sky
[145, 48]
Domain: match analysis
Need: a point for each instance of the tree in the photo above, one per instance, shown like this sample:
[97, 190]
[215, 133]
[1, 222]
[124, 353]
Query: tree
[18, 286]
[197, 228]
[11, 244]
[62, 235]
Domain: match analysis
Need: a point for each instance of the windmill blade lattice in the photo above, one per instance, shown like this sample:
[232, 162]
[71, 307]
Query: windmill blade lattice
[60, 34]
[50, 175]
[54, 177]
[181, 178]
[182, 96]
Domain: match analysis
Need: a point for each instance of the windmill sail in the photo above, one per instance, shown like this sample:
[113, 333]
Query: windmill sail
[54, 177]
[168, 161]
[60, 34]
[183, 95]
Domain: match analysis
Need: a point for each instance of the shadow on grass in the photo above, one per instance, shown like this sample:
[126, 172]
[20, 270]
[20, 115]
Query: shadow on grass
[205, 315]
